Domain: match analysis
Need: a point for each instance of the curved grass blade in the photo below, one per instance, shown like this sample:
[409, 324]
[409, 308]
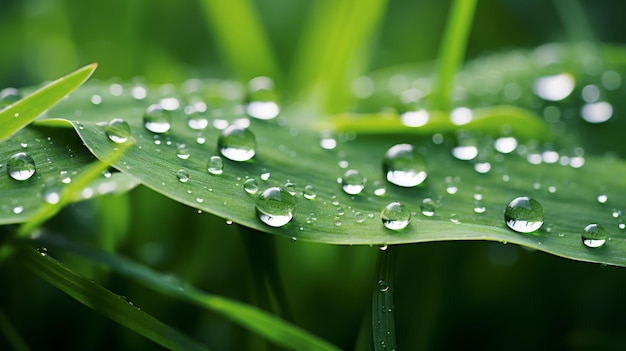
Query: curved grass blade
[59, 156]
[19, 114]
[565, 175]
[242, 38]
[258, 321]
[104, 301]
[383, 322]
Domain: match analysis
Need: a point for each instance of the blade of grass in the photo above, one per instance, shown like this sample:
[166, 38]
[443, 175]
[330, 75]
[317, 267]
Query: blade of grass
[242, 38]
[331, 52]
[383, 324]
[260, 322]
[103, 301]
[574, 20]
[24, 111]
[452, 50]
[12, 335]
[68, 192]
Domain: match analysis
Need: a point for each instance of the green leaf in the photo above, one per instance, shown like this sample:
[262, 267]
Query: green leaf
[264, 324]
[59, 156]
[472, 198]
[24, 111]
[104, 301]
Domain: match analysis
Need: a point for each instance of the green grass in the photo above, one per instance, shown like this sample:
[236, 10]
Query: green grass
[203, 272]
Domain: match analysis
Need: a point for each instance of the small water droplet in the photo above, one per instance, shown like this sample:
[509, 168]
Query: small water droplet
[523, 215]
[395, 216]
[359, 217]
[328, 143]
[18, 209]
[117, 130]
[275, 206]
[197, 121]
[215, 165]
[251, 186]
[265, 174]
[290, 187]
[383, 286]
[352, 182]
[594, 236]
[505, 145]
[597, 112]
[428, 207]
[51, 193]
[237, 143]
[309, 192]
[157, 119]
[96, 99]
[182, 175]
[379, 188]
[404, 166]
[21, 166]
[43, 251]
[182, 152]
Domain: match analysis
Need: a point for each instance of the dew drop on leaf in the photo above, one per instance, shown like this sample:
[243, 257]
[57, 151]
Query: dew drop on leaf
[395, 216]
[118, 130]
[383, 286]
[157, 119]
[428, 207]
[290, 187]
[554, 88]
[352, 182]
[262, 99]
[309, 192]
[237, 143]
[215, 165]
[524, 215]
[43, 251]
[182, 152]
[21, 166]
[593, 236]
[404, 166]
[251, 186]
[182, 175]
[197, 121]
[275, 206]
[597, 112]
[505, 145]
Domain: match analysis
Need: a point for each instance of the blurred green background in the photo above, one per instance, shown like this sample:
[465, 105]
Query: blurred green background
[485, 296]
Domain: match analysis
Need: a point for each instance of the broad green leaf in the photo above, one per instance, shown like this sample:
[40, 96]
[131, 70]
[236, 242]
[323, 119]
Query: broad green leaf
[59, 156]
[104, 301]
[264, 324]
[19, 114]
[471, 195]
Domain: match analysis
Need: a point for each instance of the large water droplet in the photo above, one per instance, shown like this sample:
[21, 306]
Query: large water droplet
[118, 130]
[157, 119]
[404, 166]
[275, 206]
[216, 165]
[523, 215]
[554, 88]
[593, 235]
[395, 216]
[262, 99]
[237, 143]
[352, 182]
[21, 166]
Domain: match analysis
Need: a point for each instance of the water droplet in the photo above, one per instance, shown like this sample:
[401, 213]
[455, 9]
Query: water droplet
[602, 198]
[554, 88]
[594, 235]
[265, 174]
[21, 166]
[404, 166]
[118, 130]
[43, 251]
[182, 152]
[197, 121]
[328, 143]
[18, 209]
[251, 186]
[597, 112]
[482, 167]
[523, 215]
[237, 143]
[51, 193]
[415, 118]
[309, 192]
[290, 187]
[461, 116]
[505, 145]
[262, 99]
[138, 93]
[383, 286]
[352, 182]
[395, 216]
[428, 207]
[275, 206]
[359, 217]
[465, 152]
[216, 165]
[96, 99]
[379, 188]
[182, 175]
[157, 119]
[65, 179]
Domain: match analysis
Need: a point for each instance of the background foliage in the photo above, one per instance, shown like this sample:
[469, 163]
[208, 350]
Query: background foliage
[448, 295]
